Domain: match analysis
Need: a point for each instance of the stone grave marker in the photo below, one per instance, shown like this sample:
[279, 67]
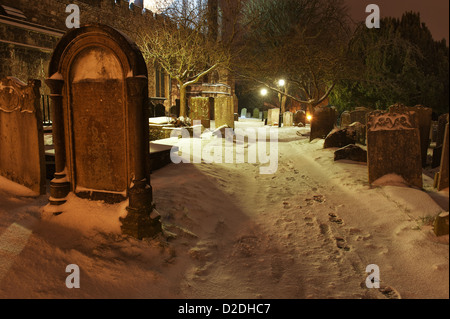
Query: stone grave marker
[22, 158]
[256, 113]
[273, 117]
[440, 134]
[200, 107]
[442, 122]
[288, 119]
[99, 91]
[393, 147]
[224, 111]
[346, 119]
[299, 117]
[160, 110]
[244, 113]
[423, 122]
[359, 115]
[323, 122]
[443, 172]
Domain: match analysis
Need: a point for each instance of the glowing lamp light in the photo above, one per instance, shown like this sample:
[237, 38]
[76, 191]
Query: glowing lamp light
[264, 92]
[309, 117]
[281, 82]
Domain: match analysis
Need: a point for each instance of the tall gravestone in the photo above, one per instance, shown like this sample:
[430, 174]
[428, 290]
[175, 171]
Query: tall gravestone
[273, 117]
[99, 91]
[440, 134]
[244, 113]
[443, 172]
[224, 111]
[423, 123]
[256, 113]
[359, 115]
[393, 147]
[22, 158]
[300, 117]
[288, 119]
[346, 119]
[323, 122]
[200, 110]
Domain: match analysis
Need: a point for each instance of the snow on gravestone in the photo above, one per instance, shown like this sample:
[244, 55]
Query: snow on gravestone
[224, 111]
[423, 123]
[393, 147]
[244, 113]
[200, 110]
[22, 158]
[104, 120]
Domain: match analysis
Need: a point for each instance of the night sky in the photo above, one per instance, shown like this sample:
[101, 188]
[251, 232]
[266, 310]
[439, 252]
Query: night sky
[433, 12]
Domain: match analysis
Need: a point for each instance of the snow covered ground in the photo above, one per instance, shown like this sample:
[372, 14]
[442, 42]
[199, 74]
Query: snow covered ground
[307, 231]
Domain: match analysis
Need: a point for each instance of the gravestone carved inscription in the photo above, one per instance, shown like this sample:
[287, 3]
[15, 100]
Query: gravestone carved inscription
[393, 147]
[22, 158]
[98, 80]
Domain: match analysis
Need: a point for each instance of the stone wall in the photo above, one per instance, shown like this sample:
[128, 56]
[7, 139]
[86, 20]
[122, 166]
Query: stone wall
[25, 51]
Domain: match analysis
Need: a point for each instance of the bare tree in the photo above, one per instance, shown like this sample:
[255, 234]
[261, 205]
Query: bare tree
[185, 44]
[303, 42]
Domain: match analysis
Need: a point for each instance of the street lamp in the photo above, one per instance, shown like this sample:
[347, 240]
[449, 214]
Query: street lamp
[281, 84]
[264, 92]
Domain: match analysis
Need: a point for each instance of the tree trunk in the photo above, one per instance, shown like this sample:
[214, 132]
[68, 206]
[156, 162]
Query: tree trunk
[183, 111]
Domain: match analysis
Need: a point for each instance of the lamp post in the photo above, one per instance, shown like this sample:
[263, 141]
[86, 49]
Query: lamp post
[281, 84]
[263, 92]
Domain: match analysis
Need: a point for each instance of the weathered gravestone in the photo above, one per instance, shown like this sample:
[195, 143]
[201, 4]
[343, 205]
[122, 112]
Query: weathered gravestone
[443, 172]
[323, 122]
[273, 117]
[160, 110]
[288, 119]
[256, 113]
[244, 113]
[346, 119]
[359, 115]
[393, 147]
[360, 132]
[224, 111]
[423, 123]
[300, 117]
[352, 153]
[340, 138]
[440, 134]
[99, 90]
[442, 123]
[200, 107]
[175, 109]
[22, 158]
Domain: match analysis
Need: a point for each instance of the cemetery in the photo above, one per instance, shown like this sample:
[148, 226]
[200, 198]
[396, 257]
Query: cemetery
[160, 193]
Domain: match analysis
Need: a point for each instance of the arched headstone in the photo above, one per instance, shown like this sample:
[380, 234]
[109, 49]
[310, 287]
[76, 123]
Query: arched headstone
[99, 89]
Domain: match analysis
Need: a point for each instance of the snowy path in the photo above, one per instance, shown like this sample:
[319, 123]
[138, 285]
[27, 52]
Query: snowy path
[308, 231]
